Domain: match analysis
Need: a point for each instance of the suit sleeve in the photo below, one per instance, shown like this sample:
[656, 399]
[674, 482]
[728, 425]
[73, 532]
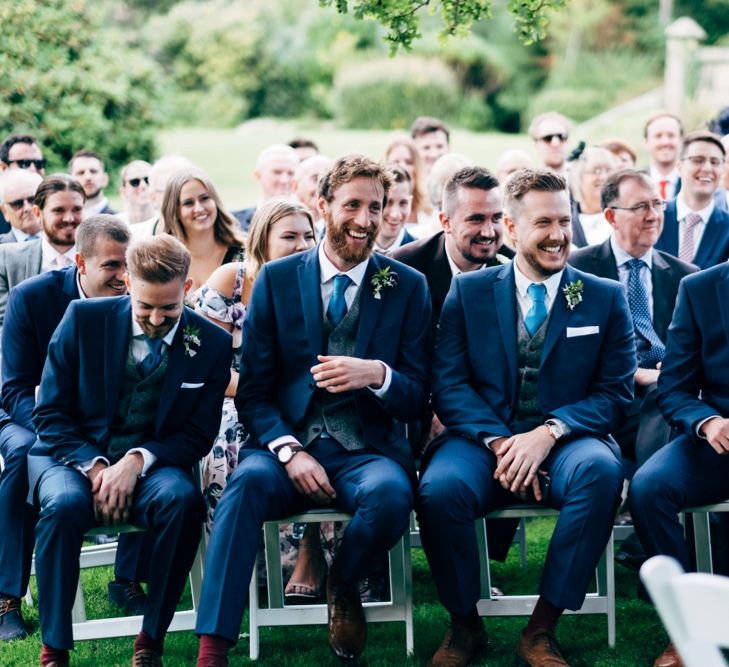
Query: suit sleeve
[682, 375]
[21, 363]
[455, 401]
[56, 416]
[4, 285]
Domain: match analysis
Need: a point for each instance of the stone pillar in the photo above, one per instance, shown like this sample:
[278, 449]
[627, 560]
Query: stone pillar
[682, 40]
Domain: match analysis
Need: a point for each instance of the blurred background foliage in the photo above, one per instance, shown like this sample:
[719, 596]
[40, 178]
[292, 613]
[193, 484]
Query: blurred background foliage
[112, 72]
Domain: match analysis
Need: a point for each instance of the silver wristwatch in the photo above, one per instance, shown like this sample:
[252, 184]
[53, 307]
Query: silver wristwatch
[287, 451]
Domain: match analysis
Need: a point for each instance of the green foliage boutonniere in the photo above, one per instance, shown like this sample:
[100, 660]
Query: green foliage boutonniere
[573, 294]
[382, 279]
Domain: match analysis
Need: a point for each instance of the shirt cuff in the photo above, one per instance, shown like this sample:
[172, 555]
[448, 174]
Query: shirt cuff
[148, 457]
[698, 426]
[282, 440]
[87, 465]
[382, 391]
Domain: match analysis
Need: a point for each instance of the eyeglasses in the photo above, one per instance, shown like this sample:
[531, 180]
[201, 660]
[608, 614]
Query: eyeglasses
[135, 182]
[700, 161]
[549, 138]
[658, 205]
[17, 204]
[26, 164]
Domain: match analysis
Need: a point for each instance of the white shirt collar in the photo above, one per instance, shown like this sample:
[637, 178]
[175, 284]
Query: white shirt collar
[81, 293]
[522, 282]
[137, 331]
[682, 209]
[672, 176]
[621, 257]
[19, 234]
[328, 270]
[395, 244]
[49, 253]
[455, 271]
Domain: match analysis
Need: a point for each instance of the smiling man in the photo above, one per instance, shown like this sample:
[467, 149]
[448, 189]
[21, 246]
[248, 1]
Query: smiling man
[334, 363]
[87, 168]
[153, 376]
[533, 369]
[17, 189]
[663, 133]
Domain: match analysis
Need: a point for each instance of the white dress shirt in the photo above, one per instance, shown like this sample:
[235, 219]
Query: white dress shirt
[522, 285]
[671, 180]
[646, 276]
[51, 259]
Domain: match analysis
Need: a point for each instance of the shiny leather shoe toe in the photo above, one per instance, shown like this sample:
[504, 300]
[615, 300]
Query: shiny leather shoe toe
[669, 658]
[346, 621]
[539, 649]
[460, 647]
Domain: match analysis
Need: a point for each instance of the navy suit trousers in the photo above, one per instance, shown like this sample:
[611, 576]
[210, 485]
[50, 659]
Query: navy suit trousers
[373, 488]
[682, 474]
[166, 502]
[458, 486]
[16, 516]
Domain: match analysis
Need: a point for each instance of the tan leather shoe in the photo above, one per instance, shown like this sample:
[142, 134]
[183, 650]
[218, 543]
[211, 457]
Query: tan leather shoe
[669, 658]
[146, 658]
[347, 627]
[460, 646]
[539, 649]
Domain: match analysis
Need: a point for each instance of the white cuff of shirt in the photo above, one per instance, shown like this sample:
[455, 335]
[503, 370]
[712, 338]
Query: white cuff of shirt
[148, 457]
[382, 391]
[282, 440]
[701, 423]
[87, 465]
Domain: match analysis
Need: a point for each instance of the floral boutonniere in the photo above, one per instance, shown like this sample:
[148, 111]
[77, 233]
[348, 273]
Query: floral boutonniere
[382, 279]
[191, 340]
[573, 294]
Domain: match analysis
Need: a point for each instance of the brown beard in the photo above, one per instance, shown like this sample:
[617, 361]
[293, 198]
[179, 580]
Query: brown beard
[337, 238]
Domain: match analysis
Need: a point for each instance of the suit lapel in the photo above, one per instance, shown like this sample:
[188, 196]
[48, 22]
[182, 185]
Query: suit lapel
[117, 329]
[369, 308]
[662, 304]
[176, 369]
[310, 289]
[560, 314]
[709, 244]
[505, 305]
[33, 260]
[441, 272]
[722, 290]
[670, 229]
[605, 262]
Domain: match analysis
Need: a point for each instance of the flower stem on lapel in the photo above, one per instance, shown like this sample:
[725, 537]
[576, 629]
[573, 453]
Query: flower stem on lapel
[382, 279]
[573, 294]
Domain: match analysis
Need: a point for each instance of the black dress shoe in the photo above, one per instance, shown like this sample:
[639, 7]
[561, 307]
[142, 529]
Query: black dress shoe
[11, 620]
[374, 588]
[129, 596]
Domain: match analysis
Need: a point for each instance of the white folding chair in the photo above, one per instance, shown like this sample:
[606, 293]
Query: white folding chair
[702, 534]
[693, 607]
[600, 602]
[399, 608]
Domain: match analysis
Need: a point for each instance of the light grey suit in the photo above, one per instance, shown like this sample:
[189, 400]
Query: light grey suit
[18, 261]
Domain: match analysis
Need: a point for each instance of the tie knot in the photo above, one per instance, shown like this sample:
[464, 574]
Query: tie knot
[154, 344]
[693, 219]
[635, 264]
[341, 282]
[537, 291]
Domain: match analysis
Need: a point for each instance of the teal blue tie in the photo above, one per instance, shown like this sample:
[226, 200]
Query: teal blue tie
[337, 304]
[148, 365]
[538, 312]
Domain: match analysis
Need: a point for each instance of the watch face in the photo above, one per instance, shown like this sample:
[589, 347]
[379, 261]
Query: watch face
[285, 454]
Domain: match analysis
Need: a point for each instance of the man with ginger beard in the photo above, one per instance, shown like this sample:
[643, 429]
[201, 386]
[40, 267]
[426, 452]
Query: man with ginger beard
[532, 370]
[335, 361]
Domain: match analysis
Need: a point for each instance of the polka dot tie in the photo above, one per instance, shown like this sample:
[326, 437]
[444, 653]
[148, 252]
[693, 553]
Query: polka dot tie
[638, 302]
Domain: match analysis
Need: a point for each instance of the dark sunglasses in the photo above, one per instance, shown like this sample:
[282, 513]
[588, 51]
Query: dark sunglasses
[17, 204]
[26, 164]
[135, 182]
[548, 138]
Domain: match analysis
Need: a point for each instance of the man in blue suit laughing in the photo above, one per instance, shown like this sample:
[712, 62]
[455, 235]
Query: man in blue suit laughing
[532, 370]
[335, 347]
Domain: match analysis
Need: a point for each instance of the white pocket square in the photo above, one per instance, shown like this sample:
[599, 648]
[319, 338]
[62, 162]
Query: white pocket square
[573, 332]
[192, 385]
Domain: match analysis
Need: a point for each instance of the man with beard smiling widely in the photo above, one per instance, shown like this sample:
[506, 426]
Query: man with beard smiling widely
[335, 362]
[533, 369]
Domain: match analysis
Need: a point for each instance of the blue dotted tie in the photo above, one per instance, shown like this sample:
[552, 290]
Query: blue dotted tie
[32, 237]
[337, 304]
[638, 302]
[148, 365]
[538, 312]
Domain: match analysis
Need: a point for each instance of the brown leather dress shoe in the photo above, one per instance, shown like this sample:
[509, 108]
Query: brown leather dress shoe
[669, 658]
[146, 658]
[539, 649]
[460, 646]
[347, 627]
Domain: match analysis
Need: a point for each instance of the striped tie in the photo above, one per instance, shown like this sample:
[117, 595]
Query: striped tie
[686, 249]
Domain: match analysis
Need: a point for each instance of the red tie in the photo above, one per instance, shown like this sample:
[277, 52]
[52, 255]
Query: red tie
[662, 185]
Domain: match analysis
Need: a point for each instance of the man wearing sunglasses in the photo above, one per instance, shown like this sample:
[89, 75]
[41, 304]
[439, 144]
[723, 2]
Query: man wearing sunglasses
[17, 190]
[20, 151]
[135, 192]
[550, 132]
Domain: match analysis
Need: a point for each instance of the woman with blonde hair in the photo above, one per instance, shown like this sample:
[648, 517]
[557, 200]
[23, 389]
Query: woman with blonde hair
[193, 213]
[402, 151]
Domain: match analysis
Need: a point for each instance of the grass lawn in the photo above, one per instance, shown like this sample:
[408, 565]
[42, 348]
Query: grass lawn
[640, 635]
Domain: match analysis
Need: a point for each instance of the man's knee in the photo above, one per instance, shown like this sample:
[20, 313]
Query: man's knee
[71, 506]
[15, 442]
[602, 472]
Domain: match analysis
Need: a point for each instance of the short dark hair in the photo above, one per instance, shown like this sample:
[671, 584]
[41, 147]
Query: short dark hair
[11, 141]
[527, 180]
[303, 142]
[158, 259]
[99, 226]
[427, 124]
[702, 135]
[56, 183]
[85, 152]
[399, 174]
[610, 192]
[475, 178]
[661, 113]
[352, 166]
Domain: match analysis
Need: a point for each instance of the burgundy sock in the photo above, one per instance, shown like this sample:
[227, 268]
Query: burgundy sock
[49, 655]
[471, 620]
[544, 617]
[144, 642]
[213, 651]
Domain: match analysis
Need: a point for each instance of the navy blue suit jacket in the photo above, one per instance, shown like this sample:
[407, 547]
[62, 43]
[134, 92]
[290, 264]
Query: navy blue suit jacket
[35, 307]
[82, 378]
[283, 334]
[584, 380]
[714, 246]
[697, 352]
[244, 217]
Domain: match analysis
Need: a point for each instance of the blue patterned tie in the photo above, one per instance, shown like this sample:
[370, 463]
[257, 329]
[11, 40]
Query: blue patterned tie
[538, 312]
[638, 302]
[32, 237]
[337, 304]
[148, 365]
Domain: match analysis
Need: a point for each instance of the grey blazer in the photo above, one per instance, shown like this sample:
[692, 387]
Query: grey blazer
[18, 261]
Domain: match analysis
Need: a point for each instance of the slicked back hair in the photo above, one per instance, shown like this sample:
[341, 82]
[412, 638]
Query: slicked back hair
[56, 183]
